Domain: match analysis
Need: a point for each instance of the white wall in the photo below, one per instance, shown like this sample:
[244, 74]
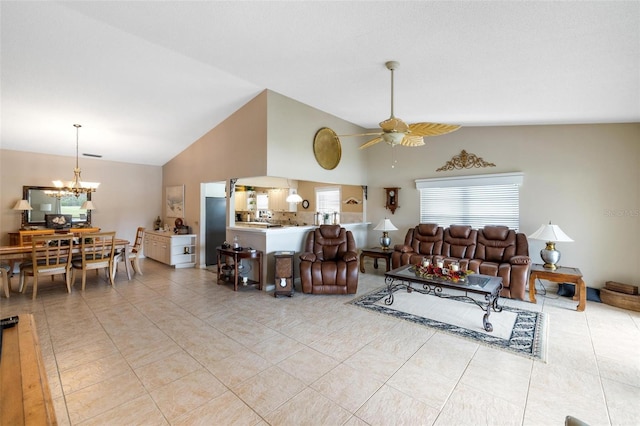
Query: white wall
[584, 178]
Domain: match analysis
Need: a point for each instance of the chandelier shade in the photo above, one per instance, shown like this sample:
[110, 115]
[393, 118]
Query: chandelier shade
[75, 186]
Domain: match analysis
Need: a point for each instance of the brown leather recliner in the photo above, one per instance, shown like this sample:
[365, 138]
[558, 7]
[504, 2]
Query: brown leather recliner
[503, 253]
[459, 245]
[329, 263]
[423, 241]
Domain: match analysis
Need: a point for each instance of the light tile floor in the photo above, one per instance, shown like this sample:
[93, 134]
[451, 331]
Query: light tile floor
[173, 347]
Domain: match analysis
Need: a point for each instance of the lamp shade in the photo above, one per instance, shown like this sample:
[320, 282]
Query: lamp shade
[294, 198]
[550, 233]
[22, 205]
[88, 205]
[385, 225]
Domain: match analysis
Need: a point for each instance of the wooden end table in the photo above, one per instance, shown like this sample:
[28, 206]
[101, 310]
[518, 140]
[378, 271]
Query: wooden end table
[376, 253]
[237, 256]
[559, 275]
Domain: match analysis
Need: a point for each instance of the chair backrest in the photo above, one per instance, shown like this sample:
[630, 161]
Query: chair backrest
[330, 242]
[97, 249]
[138, 241]
[498, 244]
[26, 236]
[51, 254]
[460, 241]
[427, 238]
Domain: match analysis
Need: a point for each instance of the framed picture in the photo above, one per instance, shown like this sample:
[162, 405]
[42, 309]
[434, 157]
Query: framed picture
[175, 201]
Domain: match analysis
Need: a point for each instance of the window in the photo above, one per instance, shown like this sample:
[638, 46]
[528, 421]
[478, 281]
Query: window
[328, 199]
[471, 200]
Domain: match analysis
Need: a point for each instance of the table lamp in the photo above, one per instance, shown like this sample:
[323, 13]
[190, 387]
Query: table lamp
[88, 205]
[385, 225]
[22, 205]
[551, 234]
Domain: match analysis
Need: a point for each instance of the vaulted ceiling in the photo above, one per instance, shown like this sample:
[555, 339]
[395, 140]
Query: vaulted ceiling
[147, 79]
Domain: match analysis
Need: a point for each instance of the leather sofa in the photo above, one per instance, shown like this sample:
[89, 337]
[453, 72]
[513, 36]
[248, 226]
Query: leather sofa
[329, 262]
[493, 250]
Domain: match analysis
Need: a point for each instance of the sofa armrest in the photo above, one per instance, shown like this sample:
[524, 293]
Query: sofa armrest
[520, 260]
[403, 248]
[350, 256]
[310, 257]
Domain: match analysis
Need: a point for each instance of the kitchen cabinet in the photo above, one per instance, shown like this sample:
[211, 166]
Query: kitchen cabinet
[245, 201]
[241, 201]
[278, 200]
[178, 250]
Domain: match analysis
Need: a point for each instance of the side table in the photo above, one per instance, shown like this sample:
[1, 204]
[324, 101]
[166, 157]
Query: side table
[559, 275]
[284, 275]
[237, 256]
[376, 253]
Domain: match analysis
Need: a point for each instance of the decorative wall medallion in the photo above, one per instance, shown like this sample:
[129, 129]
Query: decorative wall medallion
[464, 160]
[352, 200]
[327, 148]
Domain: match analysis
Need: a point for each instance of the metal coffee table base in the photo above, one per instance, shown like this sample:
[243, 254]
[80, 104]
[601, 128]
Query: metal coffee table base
[435, 286]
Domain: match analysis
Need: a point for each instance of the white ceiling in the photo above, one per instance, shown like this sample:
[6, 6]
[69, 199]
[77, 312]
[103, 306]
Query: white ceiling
[147, 79]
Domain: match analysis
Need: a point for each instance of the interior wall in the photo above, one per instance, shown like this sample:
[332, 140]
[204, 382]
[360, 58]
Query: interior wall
[260, 139]
[584, 178]
[291, 130]
[129, 194]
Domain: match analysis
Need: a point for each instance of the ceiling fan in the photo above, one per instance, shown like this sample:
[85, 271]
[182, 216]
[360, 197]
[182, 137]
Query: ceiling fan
[395, 131]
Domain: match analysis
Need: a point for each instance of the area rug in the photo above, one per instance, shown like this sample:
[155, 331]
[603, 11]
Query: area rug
[515, 330]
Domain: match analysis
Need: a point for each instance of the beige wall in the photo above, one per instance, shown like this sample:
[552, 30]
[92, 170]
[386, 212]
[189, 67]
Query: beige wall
[584, 178]
[129, 194]
[272, 135]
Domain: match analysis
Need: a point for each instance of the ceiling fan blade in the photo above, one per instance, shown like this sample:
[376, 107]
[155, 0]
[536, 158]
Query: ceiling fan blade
[411, 141]
[360, 134]
[371, 142]
[431, 129]
[394, 124]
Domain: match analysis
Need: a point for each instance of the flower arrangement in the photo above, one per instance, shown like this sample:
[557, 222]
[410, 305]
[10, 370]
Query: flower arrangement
[431, 271]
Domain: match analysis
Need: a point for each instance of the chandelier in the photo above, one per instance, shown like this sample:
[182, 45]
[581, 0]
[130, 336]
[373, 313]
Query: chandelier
[75, 186]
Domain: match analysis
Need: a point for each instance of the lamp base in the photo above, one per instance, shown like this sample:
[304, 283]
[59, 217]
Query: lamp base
[550, 255]
[385, 241]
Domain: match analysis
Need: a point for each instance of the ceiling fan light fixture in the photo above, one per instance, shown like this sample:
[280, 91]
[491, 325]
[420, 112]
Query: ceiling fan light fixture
[393, 138]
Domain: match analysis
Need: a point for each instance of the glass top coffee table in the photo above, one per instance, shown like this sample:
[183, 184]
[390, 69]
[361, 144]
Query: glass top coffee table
[485, 285]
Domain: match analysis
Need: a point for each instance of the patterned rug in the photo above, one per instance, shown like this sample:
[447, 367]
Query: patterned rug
[515, 330]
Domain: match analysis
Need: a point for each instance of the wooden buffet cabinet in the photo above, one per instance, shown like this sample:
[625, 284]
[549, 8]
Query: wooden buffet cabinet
[177, 250]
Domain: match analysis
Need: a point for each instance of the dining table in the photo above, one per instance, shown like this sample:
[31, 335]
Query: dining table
[20, 253]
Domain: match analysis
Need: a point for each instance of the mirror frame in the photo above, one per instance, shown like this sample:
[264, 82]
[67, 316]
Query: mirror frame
[26, 195]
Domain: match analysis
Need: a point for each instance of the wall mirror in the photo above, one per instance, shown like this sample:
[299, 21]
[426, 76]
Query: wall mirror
[43, 203]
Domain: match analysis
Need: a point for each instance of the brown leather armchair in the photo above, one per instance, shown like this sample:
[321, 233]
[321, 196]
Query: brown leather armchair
[329, 262]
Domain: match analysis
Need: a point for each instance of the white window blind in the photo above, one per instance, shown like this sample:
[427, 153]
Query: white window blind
[328, 199]
[473, 200]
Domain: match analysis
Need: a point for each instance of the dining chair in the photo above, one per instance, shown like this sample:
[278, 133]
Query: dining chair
[26, 236]
[133, 254]
[5, 278]
[96, 252]
[50, 255]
